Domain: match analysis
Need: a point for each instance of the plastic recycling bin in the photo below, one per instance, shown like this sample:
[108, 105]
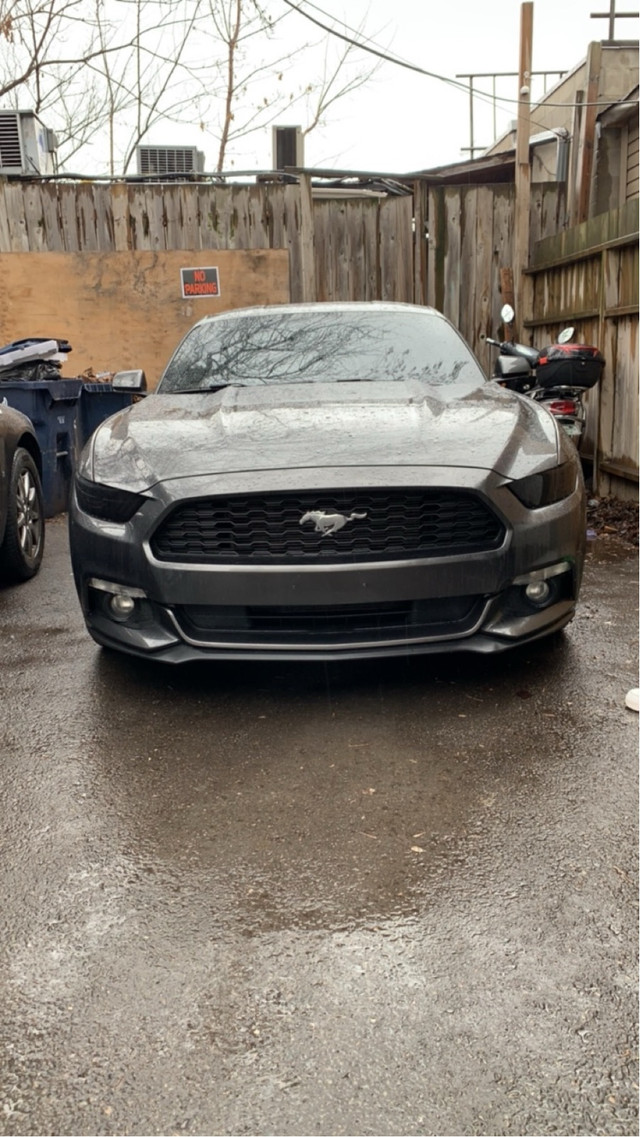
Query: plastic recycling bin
[53, 409]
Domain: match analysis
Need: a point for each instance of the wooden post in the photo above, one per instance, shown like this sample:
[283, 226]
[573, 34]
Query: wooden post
[419, 244]
[523, 168]
[588, 133]
[572, 181]
[307, 240]
[508, 297]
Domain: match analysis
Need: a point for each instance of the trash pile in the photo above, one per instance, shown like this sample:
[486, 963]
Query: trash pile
[611, 517]
[33, 360]
[91, 376]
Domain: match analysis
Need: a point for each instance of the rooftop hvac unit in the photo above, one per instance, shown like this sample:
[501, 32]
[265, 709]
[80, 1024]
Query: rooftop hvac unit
[164, 160]
[288, 147]
[26, 146]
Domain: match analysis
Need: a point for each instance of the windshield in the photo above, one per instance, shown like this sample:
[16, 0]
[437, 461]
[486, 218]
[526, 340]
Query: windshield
[325, 345]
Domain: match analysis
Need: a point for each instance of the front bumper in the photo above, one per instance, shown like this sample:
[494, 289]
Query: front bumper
[330, 611]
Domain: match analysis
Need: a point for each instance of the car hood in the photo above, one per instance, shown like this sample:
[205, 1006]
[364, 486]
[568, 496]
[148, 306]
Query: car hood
[322, 425]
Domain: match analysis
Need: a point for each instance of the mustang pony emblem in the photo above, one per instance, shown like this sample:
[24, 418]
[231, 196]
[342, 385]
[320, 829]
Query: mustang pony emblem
[328, 523]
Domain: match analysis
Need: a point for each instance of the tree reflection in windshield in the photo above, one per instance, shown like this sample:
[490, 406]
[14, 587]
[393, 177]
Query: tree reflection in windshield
[326, 345]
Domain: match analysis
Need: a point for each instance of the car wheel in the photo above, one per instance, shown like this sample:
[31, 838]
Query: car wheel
[23, 544]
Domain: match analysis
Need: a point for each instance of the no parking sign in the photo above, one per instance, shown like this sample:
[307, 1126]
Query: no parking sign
[199, 282]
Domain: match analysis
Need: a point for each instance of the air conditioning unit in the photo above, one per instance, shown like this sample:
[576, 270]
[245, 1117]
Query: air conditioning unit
[288, 147]
[26, 146]
[159, 161]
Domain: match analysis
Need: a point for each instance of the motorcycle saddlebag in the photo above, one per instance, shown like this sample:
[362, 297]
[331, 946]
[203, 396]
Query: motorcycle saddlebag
[569, 365]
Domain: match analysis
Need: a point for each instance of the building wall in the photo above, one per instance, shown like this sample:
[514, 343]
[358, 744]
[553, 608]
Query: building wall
[631, 185]
[618, 74]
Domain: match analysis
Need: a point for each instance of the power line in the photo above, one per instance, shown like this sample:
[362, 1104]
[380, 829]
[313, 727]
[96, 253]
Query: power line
[365, 46]
[387, 58]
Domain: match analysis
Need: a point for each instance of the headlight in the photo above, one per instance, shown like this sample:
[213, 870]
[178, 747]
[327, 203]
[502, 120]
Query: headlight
[108, 503]
[545, 488]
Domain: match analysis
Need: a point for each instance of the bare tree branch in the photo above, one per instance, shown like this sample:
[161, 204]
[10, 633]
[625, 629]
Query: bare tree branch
[329, 90]
[107, 72]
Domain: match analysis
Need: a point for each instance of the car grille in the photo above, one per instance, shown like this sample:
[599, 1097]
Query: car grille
[319, 626]
[267, 529]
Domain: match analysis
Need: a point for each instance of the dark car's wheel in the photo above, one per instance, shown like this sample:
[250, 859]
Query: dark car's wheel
[23, 545]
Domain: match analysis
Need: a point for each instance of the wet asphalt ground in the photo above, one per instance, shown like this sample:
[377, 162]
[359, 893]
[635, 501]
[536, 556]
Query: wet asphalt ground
[386, 898]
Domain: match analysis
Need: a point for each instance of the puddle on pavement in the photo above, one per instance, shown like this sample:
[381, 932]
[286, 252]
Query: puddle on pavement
[608, 550]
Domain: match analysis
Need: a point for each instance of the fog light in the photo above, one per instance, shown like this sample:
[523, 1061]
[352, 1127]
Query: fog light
[121, 606]
[538, 592]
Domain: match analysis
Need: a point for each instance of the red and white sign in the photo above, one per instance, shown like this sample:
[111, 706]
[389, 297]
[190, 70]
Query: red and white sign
[199, 282]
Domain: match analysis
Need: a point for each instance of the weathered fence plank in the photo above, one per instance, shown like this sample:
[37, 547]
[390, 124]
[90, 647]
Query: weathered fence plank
[452, 266]
[172, 213]
[470, 327]
[34, 217]
[69, 219]
[190, 217]
[155, 219]
[487, 287]
[119, 199]
[396, 248]
[16, 229]
[502, 248]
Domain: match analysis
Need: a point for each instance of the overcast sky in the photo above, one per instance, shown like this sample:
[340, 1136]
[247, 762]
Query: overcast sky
[403, 121]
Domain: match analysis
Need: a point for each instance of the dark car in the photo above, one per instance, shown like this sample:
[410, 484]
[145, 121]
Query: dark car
[22, 523]
[326, 481]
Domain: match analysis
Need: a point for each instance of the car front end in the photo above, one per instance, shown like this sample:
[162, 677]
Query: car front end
[293, 540]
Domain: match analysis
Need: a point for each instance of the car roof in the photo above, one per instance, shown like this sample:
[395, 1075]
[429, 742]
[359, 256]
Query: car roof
[325, 306]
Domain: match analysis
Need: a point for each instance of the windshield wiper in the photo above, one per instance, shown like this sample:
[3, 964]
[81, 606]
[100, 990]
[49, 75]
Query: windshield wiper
[204, 390]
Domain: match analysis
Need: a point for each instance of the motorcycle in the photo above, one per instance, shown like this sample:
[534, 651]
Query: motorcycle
[557, 375]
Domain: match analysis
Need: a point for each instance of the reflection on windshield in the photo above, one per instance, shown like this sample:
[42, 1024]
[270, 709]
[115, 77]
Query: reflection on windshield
[317, 347]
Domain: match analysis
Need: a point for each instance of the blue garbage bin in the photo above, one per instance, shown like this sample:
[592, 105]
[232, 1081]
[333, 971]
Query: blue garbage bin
[64, 413]
[52, 407]
[98, 401]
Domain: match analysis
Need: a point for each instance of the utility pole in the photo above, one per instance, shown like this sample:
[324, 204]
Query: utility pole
[612, 16]
[523, 167]
[586, 147]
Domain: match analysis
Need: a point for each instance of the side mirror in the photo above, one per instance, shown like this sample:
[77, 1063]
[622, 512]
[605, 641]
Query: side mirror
[133, 381]
[565, 335]
[507, 314]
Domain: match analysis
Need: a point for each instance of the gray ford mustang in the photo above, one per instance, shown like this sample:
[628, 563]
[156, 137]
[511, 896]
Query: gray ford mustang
[326, 481]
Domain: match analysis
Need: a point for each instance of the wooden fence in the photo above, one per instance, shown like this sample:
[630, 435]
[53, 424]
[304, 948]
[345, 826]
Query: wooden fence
[349, 248]
[440, 245]
[470, 245]
[448, 246]
[346, 249]
[588, 277]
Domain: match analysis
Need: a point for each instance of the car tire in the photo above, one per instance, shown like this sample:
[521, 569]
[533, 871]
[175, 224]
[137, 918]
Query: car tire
[23, 545]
